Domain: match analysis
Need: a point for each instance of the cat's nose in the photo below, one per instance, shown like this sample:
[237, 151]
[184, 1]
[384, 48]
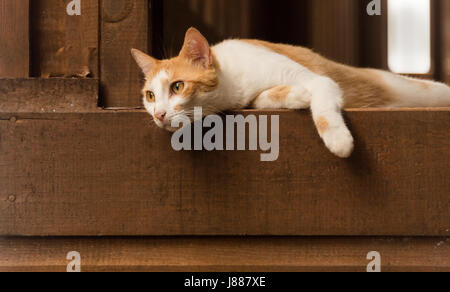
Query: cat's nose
[161, 115]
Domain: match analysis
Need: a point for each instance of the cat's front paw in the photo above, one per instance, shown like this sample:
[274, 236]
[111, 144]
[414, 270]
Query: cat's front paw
[340, 142]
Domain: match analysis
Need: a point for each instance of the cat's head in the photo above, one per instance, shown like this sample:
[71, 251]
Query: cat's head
[174, 87]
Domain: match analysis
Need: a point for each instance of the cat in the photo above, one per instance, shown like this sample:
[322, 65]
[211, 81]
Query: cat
[237, 74]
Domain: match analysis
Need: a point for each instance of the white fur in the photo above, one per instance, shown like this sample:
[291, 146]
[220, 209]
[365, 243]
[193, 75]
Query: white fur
[160, 86]
[411, 92]
[247, 71]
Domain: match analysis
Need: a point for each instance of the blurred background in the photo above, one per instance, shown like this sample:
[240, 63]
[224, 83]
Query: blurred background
[410, 36]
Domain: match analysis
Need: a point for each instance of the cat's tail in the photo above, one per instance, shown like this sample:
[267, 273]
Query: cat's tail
[413, 92]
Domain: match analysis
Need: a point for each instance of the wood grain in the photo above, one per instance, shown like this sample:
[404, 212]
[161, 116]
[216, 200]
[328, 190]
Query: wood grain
[445, 40]
[48, 95]
[373, 37]
[334, 29]
[14, 39]
[124, 25]
[223, 19]
[225, 254]
[63, 45]
[114, 173]
[82, 39]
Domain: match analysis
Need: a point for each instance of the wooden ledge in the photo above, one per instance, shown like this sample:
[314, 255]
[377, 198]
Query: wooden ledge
[114, 173]
[225, 254]
[36, 95]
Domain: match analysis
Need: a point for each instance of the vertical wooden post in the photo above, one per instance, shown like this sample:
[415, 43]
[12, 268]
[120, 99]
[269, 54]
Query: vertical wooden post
[82, 41]
[373, 37]
[445, 40]
[64, 45]
[124, 25]
[14, 38]
[334, 29]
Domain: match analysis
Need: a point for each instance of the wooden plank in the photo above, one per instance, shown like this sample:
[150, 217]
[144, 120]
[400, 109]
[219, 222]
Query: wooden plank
[124, 25]
[14, 39]
[48, 95]
[63, 45]
[82, 39]
[373, 36]
[113, 173]
[225, 254]
[445, 40]
[334, 29]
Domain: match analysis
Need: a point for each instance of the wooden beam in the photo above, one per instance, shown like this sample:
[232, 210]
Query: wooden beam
[334, 29]
[48, 95]
[225, 254]
[114, 173]
[82, 39]
[64, 45]
[14, 39]
[445, 40]
[124, 25]
[373, 37]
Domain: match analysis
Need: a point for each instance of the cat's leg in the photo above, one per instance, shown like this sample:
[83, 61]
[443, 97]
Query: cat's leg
[325, 98]
[326, 106]
[283, 97]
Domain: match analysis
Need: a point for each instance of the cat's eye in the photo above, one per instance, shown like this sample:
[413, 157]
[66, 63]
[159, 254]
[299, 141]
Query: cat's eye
[177, 87]
[150, 96]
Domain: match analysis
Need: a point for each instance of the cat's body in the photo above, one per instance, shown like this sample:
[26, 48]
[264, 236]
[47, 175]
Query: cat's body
[237, 74]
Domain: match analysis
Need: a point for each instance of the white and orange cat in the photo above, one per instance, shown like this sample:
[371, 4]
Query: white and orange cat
[237, 74]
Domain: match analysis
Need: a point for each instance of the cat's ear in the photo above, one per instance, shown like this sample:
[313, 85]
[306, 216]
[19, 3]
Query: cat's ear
[196, 48]
[144, 61]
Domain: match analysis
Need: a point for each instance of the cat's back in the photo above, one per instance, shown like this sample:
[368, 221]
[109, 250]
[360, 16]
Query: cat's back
[249, 62]
[362, 87]
[301, 55]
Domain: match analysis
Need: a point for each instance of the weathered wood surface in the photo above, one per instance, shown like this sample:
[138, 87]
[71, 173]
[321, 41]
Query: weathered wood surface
[14, 39]
[124, 25]
[445, 42]
[334, 29]
[48, 95]
[225, 254]
[114, 173]
[64, 45]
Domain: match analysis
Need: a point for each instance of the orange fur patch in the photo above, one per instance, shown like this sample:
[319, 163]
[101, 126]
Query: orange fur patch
[425, 84]
[322, 125]
[279, 93]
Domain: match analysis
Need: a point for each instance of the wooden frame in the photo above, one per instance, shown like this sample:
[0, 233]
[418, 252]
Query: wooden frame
[14, 39]
[87, 171]
[70, 168]
[237, 254]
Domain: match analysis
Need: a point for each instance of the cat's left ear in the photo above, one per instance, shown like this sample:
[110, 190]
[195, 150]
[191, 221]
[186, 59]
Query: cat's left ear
[196, 48]
[144, 61]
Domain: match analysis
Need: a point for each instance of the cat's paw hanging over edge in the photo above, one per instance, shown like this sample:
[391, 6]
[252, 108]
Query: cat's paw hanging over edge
[340, 142]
